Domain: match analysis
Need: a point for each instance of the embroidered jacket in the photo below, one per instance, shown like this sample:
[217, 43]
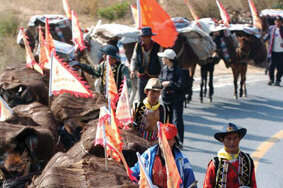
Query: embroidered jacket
[182, 163]
[223, 173]
[141, 121]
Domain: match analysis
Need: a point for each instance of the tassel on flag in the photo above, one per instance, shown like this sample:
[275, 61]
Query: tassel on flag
[67, 9]
[223, 13]
[123, 111]
[77, 33]
[154, 16]
[256, 19]
[173, 177]
[145, 181]
[5, 111]
[64, 80]
[30, 61]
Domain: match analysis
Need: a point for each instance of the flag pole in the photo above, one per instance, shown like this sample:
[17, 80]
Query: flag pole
[50, 79]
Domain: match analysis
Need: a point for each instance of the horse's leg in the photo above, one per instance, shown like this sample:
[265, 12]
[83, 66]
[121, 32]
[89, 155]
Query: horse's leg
[235, 71]
[211, 88]
[205, 79]
[191, 70]
[202, 73]
[243, 89]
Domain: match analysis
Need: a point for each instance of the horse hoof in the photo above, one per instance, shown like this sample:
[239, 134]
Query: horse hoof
[201, 100]
[210, 99]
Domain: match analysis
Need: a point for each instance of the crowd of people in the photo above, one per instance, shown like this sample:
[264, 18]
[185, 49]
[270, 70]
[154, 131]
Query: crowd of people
[161, 97]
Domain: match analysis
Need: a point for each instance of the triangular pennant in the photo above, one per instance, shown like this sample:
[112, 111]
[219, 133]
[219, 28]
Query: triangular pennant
[123, 110]
[135, 15]
[65, 80]
[154, 16]
[173, 177]
[256, 19]
[30, 61]
[77, 33]
[223, 13]
[5, 111]
[67, 9]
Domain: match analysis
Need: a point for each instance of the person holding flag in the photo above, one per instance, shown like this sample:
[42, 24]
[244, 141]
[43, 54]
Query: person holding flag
[147, 113]
[145, 63]
[111, 54]
[154, 162]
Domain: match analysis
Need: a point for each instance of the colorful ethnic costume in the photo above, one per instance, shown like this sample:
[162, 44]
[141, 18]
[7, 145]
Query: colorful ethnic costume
[147, 116]
[230, 171]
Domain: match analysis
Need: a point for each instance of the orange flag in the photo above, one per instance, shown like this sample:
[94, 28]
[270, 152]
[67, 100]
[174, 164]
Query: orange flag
[5, 111]
[256, 19]
[30, 61]
[65, 80]
[173, 177]
[49, 44]
[111, 87]
[145, 181]
[42, 51]
[67, 9]
[123, 111]
[154, 16]
[77, 33]
[223, 13]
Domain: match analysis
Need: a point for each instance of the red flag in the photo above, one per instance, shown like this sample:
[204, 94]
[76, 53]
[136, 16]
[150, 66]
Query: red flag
[123, 111]
[48, 38]
[30, 61]
[154, 16]
[77, 33]
[173, 177]
[223, 13]
[256, 19]
[65, 80]
[5, 111]
[42, 50]
[67, 9]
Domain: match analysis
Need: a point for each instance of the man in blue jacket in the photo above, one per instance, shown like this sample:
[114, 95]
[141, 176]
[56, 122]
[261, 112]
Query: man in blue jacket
[154, 162]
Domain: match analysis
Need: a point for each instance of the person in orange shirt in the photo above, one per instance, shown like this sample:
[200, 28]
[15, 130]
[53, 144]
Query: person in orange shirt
[232, 168]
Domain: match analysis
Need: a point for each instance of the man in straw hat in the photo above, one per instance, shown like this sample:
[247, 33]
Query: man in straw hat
[231, 168]
[149, 111]
[154, 162]
[145, 63]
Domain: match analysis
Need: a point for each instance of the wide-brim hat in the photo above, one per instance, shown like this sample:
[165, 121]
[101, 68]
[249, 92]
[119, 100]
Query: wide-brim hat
[153, 84]
[111, 50]
[146, 32]
[229, 129]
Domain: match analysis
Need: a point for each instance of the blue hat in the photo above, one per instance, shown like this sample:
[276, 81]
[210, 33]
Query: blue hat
[111, 50]
[230, 128]
[146, 32]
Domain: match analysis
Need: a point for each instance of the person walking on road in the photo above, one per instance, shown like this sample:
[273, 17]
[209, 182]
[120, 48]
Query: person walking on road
[145, 63]
[275, 50]
[232, 168]
[172, 80]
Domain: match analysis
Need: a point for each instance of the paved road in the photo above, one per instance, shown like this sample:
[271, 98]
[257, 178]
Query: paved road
[261, 113]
